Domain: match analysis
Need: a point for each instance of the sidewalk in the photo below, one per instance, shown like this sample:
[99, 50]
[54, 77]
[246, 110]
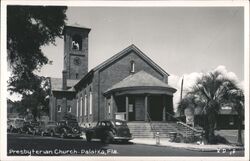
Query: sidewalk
[188, 146]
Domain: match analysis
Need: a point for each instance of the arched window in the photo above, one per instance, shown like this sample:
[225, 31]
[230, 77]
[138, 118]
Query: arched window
[77, 42]
[69, 108]
[132, 66]
[109, 108]
[59, 109]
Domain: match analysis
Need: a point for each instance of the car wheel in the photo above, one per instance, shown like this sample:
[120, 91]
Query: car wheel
[52, 134]
[125, 141]
[88, 138]
[108, 138]
[63, 135]
[11, 129]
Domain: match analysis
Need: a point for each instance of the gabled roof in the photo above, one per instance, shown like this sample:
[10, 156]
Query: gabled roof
[56, 84]
[140, 79]
[127, 51]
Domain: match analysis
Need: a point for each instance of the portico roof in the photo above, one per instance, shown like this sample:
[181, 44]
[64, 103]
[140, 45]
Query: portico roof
[141, 81]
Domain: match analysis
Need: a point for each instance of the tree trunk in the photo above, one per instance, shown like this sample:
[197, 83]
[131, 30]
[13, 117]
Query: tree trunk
[211, 126]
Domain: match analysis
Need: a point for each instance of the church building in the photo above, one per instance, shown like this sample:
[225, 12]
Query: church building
[128, 86]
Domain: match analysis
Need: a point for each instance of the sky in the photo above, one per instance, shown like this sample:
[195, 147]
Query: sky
[184, 41]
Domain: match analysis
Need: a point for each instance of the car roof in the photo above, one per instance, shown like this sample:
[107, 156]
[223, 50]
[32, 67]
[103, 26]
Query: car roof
[111, 120]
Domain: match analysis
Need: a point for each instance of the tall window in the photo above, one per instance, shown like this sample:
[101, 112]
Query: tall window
[109, 108]
[77, 107]
[59, 109]
[85, 105]
[90, 102]
[132, 66]
[69, 108]
[81, 106]
[77, 42]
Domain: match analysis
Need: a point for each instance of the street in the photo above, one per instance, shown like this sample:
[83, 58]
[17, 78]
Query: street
[22, 144]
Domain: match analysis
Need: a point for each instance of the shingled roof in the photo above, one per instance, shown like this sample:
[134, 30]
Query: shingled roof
[140, 79]
[56, 84]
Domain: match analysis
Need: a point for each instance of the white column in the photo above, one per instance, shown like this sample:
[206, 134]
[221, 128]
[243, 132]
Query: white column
[146, 108]
[127, 108]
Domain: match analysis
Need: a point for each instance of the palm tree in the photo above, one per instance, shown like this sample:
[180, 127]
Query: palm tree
[212, 91]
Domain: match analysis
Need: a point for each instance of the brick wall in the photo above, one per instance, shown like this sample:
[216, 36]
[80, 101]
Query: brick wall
[119, 70]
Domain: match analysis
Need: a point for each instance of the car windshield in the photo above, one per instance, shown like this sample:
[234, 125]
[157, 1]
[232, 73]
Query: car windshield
[120, 123]
[10, 121]
[26, 123]
[73, 124]
[19, 121]
[35, 123]
[51, 123]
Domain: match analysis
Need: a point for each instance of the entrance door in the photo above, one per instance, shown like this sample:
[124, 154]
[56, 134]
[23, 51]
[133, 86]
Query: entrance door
[131, 108]
[156, 108]
[136, 108]
[139, 108]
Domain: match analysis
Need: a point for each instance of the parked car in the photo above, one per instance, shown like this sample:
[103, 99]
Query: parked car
[14, 124]
[67, 129]
[49, 128]
[27, 128]
[37, 127]
[109, 130]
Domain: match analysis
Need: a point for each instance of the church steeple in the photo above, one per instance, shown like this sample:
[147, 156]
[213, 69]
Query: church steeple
[75, 51]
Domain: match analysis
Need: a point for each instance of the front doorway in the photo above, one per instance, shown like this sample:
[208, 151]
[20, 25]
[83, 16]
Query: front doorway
[136, 108]
[156, 107]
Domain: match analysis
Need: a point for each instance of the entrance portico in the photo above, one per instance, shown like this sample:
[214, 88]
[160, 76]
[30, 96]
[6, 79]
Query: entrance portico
[132, 100]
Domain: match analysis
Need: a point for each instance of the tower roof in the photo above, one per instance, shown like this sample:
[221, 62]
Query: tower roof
[76, 27]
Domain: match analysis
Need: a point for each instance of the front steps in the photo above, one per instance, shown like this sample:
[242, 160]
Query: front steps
[148, 130]
[140, 130]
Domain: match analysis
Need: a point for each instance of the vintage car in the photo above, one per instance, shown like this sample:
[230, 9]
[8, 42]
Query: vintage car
[109, 130]
[67, 129]
[49, 128]
[14, 124]
[27, 128]
[37, 127]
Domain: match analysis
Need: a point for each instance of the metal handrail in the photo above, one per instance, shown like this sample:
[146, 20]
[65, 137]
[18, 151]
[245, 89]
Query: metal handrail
[194, 129]
[150, 123]
[184, 124]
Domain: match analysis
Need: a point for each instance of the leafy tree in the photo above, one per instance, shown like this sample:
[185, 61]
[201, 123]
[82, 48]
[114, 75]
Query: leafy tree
[210, 92]
[37, 102]
[29, 28]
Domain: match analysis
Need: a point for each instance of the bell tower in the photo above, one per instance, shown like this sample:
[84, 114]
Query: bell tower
[75, 51]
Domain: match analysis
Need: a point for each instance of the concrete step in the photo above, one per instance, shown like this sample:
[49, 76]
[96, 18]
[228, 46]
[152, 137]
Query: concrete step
[144, 130]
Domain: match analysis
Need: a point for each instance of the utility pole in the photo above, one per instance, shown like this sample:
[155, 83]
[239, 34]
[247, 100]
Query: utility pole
[182, 81]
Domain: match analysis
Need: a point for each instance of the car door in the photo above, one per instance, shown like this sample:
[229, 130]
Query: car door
[100, 129]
